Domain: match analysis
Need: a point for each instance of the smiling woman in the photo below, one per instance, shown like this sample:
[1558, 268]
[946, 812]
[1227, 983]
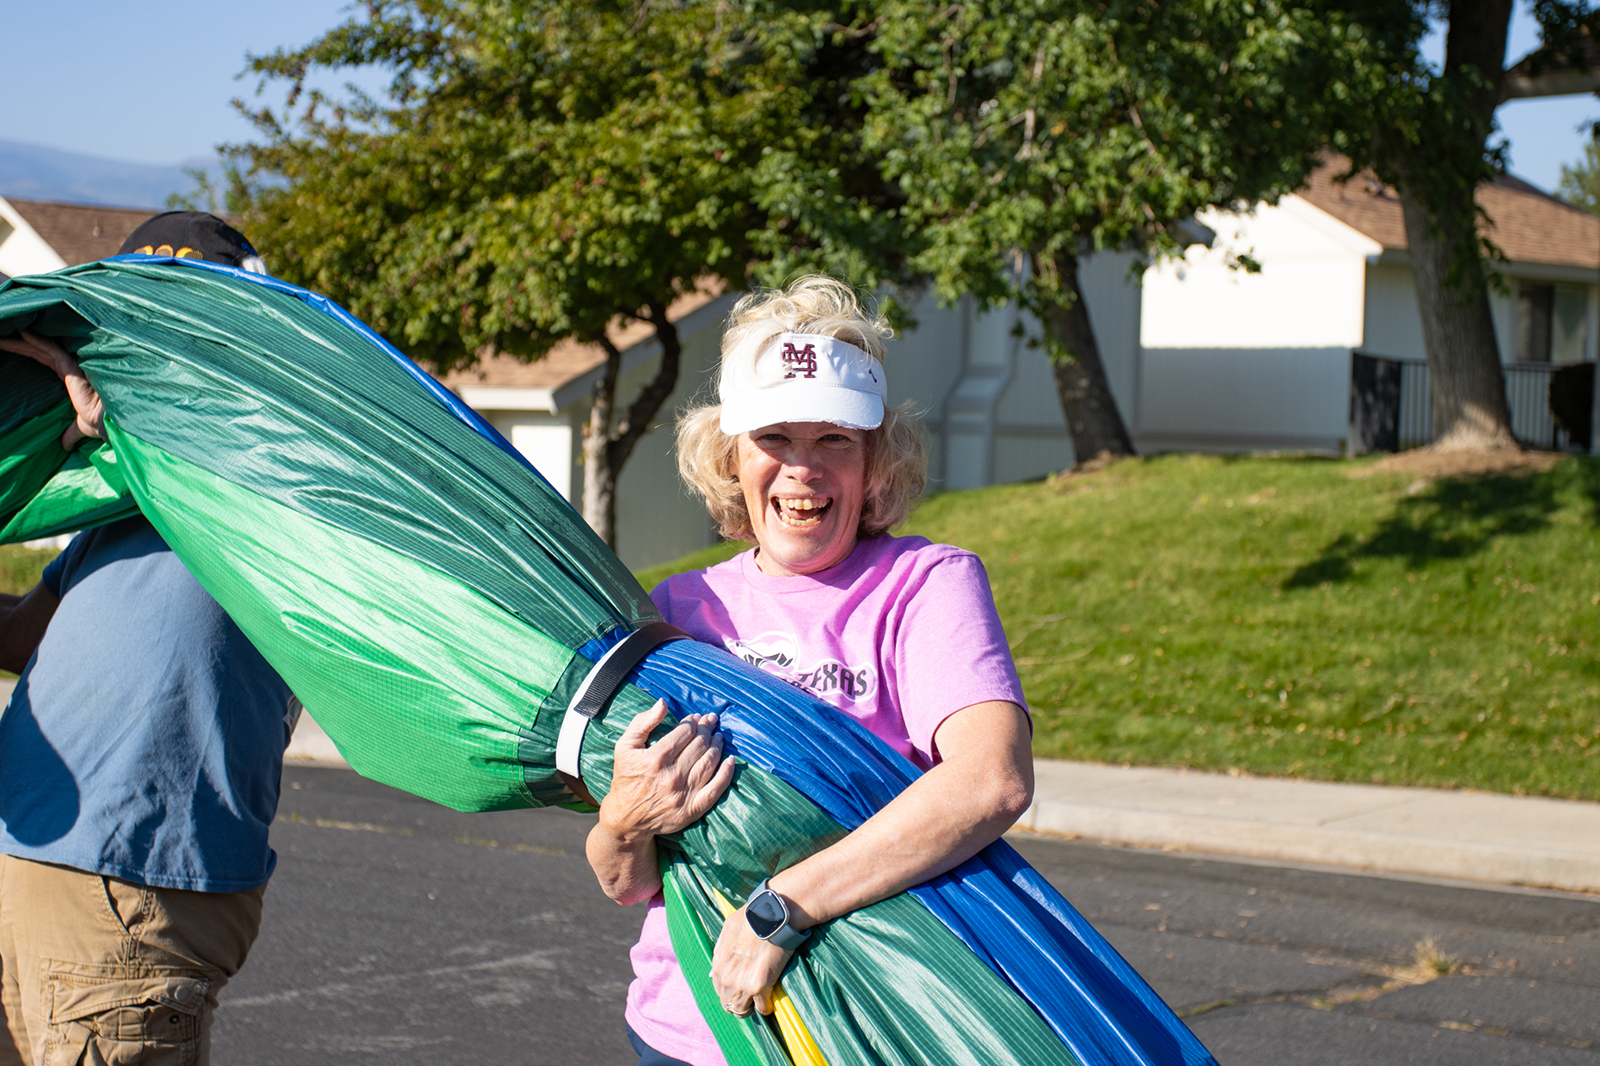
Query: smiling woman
[802, 484]
[803, 458]
[711, 442]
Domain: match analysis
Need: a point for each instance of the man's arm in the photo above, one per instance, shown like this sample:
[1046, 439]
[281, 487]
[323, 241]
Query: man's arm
[85, 401]
[23, 620]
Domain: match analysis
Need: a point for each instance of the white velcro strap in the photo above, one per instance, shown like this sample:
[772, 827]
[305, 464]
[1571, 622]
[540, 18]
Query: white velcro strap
[600, 684]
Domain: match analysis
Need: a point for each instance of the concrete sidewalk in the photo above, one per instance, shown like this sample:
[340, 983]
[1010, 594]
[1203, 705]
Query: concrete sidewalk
[1466, 836]
[1460, 835]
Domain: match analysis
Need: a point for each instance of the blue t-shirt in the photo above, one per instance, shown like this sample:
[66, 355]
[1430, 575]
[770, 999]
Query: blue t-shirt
[145, 737]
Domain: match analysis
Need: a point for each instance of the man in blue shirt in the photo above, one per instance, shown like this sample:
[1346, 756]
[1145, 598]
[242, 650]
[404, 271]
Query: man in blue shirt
[140, 758]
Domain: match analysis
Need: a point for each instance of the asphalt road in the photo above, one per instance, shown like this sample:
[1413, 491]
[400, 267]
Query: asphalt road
[397, 931]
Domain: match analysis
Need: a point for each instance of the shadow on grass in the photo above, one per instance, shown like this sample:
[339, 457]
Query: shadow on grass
[1452, 519]
[1589, 484]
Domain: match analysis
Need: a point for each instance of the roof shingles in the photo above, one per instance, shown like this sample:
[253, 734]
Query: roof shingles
[569, 359]
[1527, 225]
[80, 233]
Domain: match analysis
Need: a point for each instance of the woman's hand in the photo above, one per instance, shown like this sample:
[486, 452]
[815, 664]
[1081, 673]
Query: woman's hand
[654, 789]
[744, 967]
[85, 400]
[663, 788]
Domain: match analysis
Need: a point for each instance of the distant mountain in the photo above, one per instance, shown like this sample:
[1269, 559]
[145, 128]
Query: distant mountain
[32, 172]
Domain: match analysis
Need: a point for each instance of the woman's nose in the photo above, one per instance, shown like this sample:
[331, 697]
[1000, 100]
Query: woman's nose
[804, 458]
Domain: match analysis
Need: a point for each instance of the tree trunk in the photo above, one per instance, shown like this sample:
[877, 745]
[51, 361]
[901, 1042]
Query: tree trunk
[1438, 179]
[1464, 373]
[599, 479]
[606, 451]
[1092, 416]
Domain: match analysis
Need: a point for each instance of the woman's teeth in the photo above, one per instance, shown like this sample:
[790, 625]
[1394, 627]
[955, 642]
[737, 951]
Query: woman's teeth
[804, 511]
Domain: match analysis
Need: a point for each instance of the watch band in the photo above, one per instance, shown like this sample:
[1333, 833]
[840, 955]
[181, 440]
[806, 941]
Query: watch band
[785, 935]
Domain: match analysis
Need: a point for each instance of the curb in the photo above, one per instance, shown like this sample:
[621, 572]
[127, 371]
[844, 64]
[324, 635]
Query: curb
[1463, 836]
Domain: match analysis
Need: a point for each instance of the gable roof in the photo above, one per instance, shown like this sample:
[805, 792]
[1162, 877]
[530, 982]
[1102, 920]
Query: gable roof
[1527, 225]
[81, 233]
[570, 360]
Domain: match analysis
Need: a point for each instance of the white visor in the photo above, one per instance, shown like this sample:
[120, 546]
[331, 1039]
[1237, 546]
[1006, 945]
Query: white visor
[801, 377]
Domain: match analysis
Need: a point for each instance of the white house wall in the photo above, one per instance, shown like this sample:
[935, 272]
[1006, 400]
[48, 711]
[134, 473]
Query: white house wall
[657, 519]
[1234, 360]
[22, 251]
[969, 408]
[1393, 323]
[1245, 399]
[1503, 310]
[924, 364]
[1002, 419]
[1308, 294]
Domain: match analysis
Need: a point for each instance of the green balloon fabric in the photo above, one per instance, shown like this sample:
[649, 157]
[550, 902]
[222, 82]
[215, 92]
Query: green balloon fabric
[436, 606]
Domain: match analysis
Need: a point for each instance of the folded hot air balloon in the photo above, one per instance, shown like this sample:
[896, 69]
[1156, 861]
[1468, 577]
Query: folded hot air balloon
[457, 629]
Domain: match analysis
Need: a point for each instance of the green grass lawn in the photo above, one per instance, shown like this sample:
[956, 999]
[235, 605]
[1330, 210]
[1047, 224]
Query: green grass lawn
[20, 567]
[1278, 616]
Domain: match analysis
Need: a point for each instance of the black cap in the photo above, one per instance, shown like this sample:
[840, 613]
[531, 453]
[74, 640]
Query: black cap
[193, 235]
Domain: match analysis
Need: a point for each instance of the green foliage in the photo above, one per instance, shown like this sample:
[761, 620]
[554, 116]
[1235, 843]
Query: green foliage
[539, 169]
[203, 195]
[1282, 617]
[1429, 130]
[1069, 127]
[20, 569]
[1580, 184]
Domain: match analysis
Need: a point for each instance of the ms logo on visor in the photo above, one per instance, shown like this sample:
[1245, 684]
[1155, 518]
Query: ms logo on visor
[799, 362]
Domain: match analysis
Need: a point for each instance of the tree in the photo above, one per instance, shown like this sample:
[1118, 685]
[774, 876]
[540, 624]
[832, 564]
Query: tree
[1426, 132]
[541, 170]
[1023, 140]
[1580, 184]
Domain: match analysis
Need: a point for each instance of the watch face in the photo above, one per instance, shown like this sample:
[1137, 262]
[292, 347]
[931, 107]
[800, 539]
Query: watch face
[766, 914]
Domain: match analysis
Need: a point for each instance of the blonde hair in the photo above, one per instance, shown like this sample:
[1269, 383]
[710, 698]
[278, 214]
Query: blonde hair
[897, 455]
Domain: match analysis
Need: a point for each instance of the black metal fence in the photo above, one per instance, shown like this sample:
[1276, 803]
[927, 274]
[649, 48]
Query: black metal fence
[1391, 408]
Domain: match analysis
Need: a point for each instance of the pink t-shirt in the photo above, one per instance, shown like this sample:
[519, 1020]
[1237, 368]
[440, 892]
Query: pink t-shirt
[899, 636]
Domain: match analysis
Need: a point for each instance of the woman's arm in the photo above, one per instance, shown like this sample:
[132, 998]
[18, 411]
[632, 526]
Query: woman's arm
[983, 784]
[654, 789]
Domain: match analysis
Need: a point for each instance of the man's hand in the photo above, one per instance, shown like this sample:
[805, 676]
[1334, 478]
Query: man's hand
[86, 401]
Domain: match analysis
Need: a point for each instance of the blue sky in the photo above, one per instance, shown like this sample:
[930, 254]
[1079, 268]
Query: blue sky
[152, 83]
[145, 83]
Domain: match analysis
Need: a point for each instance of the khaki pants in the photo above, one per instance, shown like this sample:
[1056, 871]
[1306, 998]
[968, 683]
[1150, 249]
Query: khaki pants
[95, 970]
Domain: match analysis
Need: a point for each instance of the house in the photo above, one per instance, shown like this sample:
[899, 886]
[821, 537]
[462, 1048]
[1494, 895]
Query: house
[1237, 361]
[37, 236]
[985, 390]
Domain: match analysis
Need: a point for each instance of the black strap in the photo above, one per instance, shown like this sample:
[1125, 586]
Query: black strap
[607, 677]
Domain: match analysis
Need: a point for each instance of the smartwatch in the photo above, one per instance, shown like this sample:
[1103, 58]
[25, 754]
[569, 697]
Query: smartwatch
[768, 915]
